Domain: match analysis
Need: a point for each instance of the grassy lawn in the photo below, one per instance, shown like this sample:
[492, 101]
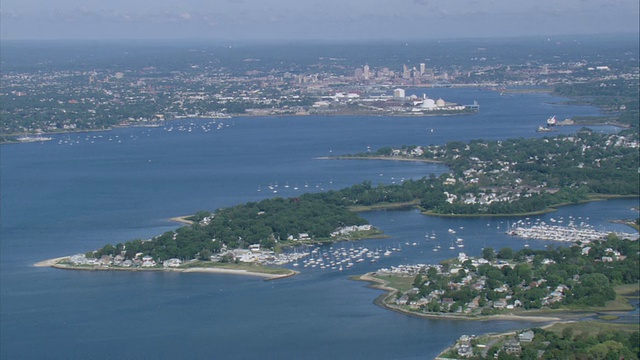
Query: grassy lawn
[628, 290]
[593, 328]
[381, 206]
[402, 283]
[620, 303]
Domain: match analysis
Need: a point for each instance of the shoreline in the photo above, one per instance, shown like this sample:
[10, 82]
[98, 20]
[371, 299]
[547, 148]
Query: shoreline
[387, 158]
[55, 263]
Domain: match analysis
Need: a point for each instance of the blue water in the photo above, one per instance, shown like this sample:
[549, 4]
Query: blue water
[80, 191]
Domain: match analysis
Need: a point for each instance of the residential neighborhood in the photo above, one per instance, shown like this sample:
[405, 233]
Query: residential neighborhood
[506, 281]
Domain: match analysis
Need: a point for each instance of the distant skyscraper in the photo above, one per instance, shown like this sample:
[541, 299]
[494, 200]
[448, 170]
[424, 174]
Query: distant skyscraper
[423, 68]
[406, 74]
[367, 74]
[358, 73]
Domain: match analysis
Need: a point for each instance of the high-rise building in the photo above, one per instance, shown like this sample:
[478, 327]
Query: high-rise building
[423, 68]
[358, 73]
[406, 74]
[398, 93]
[367, 74]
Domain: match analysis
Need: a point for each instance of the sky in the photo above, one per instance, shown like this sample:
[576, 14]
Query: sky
[312, 19]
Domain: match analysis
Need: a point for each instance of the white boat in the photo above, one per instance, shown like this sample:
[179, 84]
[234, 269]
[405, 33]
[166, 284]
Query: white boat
[545, 129]
[26, 138]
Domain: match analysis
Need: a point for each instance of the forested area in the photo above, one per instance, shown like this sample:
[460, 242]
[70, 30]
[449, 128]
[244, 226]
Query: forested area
[266, 223]
[517, 176]
[619, 97]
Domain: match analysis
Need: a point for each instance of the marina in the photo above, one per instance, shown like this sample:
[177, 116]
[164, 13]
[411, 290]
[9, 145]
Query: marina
[572, 232]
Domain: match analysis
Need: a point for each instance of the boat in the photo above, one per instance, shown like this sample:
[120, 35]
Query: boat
[545, 129]
[552, 121]
[27, 138]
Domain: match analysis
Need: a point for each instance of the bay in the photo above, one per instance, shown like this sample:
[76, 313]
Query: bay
[80, 191]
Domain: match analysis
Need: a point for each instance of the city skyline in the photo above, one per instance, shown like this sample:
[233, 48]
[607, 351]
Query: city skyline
[312, 20]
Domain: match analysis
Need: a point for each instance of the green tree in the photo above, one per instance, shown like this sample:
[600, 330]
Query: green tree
[488, 254]
[506, 253]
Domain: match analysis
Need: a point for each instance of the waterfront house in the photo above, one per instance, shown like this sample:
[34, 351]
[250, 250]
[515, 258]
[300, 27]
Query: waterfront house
[402, 300]
[499, 304]
[526, 336]
[172, 263]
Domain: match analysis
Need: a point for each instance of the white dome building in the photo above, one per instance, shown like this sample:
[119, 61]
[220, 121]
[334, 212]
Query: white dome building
[440, 103]
[428, 104]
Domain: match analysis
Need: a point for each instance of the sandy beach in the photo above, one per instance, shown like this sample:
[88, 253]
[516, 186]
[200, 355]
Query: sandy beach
[239, 272]
[182, 219]
[50, 262]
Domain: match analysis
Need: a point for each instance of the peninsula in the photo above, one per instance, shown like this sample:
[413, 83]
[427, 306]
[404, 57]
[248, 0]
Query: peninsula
[537, 285]
[78, 262]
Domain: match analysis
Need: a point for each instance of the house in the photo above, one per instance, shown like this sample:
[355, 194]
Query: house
[402, 300]
[526, 336]
[464, 346]
[172, 263]
[512, 346]
[499, 304]
[447, 302]
[254, 248]
[465, 350]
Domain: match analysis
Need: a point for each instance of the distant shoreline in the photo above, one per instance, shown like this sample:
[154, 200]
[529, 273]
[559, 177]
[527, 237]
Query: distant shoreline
[55, 263]
[378, 158]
